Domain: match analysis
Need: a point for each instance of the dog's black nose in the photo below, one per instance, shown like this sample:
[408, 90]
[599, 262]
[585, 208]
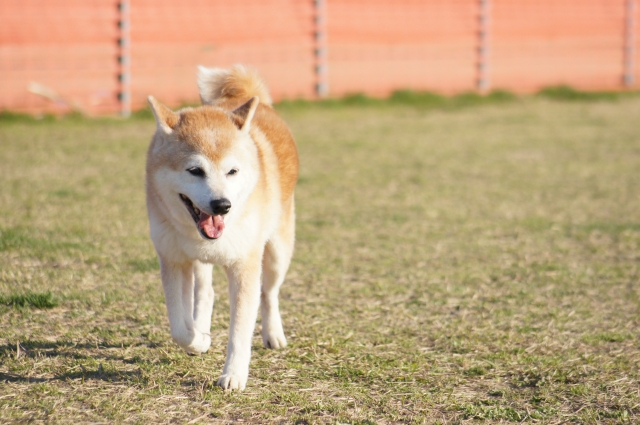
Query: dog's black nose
[220, 206]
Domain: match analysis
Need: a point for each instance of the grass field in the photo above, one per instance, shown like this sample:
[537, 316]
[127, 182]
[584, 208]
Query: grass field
[454, 264]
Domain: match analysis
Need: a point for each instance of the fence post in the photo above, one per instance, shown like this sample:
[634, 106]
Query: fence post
[483, 82]
[322, 85]
[124, 58]
[629, 43]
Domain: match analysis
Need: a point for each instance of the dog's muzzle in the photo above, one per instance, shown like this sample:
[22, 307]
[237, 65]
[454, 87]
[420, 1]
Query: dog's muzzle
[209, 226]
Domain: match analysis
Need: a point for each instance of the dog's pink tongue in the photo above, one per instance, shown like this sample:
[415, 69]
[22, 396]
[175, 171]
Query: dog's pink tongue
[212, 225]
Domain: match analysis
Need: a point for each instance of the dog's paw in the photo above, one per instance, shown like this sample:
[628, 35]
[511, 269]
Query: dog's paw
[194, 344]
[230, 381]
[274, 339]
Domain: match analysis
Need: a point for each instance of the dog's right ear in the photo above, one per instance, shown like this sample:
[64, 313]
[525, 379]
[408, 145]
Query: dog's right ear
[165, 117]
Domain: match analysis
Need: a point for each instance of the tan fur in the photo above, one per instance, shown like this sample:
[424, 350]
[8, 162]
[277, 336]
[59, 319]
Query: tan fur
[283, 145]
[233, 88]
[232, 132]
[207, 130]
[227, 88]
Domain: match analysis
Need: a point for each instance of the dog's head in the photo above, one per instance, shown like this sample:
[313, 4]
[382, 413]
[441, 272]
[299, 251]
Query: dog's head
[203, 164]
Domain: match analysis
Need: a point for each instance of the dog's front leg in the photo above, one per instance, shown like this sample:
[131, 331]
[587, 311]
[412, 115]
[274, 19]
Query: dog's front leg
[177, 281]
[244, 300]
[203, 296]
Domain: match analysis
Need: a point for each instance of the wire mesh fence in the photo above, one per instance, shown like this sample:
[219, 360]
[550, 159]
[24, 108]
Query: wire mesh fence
[106, 56]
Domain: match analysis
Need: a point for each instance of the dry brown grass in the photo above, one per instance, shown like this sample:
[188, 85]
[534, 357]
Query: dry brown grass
[452, 266]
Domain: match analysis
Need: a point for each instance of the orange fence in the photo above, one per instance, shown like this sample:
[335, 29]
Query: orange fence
[106, 56]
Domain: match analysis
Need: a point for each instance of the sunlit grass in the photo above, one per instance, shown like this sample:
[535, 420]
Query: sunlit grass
[458, 264]
[37, 300]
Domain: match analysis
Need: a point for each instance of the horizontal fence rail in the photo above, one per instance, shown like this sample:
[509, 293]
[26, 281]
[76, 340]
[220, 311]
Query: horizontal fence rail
[107, 56]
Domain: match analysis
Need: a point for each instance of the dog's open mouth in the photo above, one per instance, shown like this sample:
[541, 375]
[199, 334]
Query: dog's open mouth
[210, 226]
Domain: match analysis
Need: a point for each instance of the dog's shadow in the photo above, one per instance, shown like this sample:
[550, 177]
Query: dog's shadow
[45, 349]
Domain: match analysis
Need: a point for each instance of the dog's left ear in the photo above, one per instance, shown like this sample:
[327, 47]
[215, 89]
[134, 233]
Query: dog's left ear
[244, 114]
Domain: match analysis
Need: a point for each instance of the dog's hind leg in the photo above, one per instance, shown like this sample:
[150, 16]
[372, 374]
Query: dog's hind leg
[203, 296]
[275, 263]
[178, 284]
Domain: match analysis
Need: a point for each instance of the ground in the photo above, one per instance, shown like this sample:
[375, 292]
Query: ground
[459, 264]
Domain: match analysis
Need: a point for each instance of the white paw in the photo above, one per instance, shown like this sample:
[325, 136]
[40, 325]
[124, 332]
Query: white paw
[230, 381]
[196, 343]
[273, 338]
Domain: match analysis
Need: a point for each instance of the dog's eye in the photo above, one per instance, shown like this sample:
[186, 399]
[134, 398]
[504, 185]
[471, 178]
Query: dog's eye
[196, 171]
[232, 172]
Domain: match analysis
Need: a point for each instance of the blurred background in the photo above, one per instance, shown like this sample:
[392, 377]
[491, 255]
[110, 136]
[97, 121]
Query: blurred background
[106, 56]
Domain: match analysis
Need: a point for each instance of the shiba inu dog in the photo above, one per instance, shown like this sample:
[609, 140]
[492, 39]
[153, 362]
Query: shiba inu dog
[220, 182]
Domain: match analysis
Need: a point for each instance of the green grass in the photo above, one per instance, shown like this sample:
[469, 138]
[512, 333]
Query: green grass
[470, 262]
[567, 93]
[402, 98]
[37, 300]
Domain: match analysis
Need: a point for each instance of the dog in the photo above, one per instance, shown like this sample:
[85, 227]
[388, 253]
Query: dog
[220, 182]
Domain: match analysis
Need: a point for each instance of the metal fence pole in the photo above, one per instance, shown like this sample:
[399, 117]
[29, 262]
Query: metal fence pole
[483, 82]
[629, 43]
[124, 59]
[322, 84]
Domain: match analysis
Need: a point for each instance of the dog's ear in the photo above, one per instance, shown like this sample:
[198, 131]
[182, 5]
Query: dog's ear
[165, 117]
[245, 113]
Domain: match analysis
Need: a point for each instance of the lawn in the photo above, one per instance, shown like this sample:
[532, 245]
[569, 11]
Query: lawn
[453, 264]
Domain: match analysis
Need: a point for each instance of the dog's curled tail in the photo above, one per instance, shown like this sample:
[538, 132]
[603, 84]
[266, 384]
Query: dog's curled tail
[228, 86]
